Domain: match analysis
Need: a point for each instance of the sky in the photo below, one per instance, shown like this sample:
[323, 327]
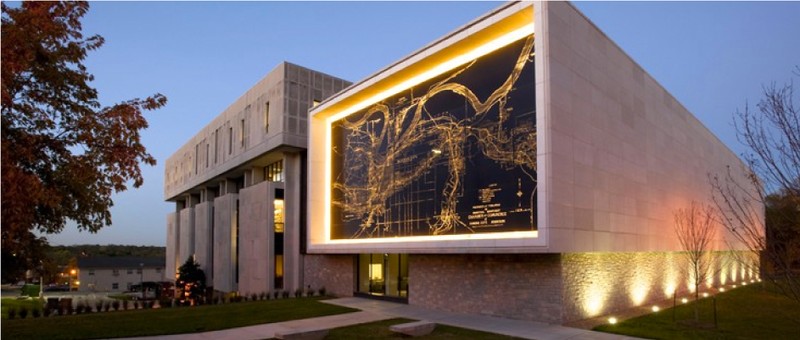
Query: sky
[714, 57]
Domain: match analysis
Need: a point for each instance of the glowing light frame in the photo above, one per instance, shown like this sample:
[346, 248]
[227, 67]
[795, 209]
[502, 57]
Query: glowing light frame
[451, 64]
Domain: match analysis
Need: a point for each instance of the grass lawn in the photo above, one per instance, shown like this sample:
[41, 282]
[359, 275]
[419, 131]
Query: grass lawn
[750, 312]
[380, 330]
[167, 320]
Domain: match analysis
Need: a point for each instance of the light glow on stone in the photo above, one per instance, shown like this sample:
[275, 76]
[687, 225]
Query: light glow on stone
[612, 320]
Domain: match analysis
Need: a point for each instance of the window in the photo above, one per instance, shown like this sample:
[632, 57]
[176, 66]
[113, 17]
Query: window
[243, 135]
[91, 271]
[278, 215]
[115, 286]
[115, 272]
[208, 153]
[216, 145]
[230, 140]
[138, 270]
[128, 287]
[266, 117]
[196, 158]
[158, 270]
[130, 271]
[274, 172]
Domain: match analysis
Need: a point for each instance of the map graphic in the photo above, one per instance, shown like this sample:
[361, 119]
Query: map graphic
[453, 155]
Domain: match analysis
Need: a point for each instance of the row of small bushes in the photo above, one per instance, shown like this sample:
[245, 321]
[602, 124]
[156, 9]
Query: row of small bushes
[278, 294]
[81, 307]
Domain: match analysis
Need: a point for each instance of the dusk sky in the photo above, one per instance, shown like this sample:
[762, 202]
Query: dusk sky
[713, 57]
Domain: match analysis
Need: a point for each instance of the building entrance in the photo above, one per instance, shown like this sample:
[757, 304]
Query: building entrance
[382, 275]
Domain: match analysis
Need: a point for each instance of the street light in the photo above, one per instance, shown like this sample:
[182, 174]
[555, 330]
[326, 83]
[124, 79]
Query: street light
[72, 273]
[141, 278]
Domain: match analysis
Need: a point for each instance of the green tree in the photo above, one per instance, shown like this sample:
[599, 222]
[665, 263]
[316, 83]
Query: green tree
[191, 282]
[63, 154]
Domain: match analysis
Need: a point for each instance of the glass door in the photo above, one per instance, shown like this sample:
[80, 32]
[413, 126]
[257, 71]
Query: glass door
[383, 275]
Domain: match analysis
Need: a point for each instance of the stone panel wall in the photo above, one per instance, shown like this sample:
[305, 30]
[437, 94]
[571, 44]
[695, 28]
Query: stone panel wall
[524, 286]
[171, 267]
[203, 249]
[255, 236]
[601, 283]
[334, 272]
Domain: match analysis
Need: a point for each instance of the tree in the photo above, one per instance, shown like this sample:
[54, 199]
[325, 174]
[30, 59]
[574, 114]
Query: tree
[191, 282]
[772, 135]
[696, 228]
[63, 154]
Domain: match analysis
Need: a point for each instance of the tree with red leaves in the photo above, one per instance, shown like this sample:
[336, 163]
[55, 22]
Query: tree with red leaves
[63, 154]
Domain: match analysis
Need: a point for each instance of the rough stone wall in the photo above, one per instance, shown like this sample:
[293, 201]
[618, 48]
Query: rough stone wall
[334, 272]
[517, 286]
[601, 283]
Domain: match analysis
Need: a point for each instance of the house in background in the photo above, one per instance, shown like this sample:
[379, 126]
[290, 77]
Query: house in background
[117, 274]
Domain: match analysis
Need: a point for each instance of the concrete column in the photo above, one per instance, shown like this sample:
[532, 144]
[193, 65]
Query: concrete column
[171, 267]
[292, 259]
[203, 238]
[225, 243]
[256, 261]
[186, 230]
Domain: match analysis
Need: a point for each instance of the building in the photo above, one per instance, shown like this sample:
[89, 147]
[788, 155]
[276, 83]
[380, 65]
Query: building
[239, 186]
[522, 166]
[117, 274]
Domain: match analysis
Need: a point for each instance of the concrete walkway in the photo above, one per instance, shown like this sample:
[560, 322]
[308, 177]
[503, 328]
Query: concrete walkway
[374, 310]
[516, 328]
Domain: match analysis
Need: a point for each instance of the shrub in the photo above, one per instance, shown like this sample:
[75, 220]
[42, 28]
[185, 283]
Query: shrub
[276, 294]
[36, 312]
[115, 305]
[254, 297]
[12, 313]
[23, 312]
[98, 306]
[285, 294]
[136, 304]
[106, 306]
[126, 304]
[298, 292]
[263, 296]
[309, 292]
[47, 311]
[322, 291]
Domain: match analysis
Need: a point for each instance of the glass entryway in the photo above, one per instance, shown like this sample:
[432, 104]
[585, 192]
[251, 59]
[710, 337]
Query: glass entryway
[382, 275]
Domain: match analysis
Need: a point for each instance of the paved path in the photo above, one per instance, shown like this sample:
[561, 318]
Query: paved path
[517, 328]
[374, 310]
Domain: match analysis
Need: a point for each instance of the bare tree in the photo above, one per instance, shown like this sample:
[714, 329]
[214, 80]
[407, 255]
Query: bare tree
[695, 227]
[772, 135]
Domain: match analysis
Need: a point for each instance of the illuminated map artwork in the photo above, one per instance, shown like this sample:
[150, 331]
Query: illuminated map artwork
[453, 155]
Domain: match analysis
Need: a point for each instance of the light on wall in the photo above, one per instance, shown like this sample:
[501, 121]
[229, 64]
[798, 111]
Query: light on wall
[612, 320]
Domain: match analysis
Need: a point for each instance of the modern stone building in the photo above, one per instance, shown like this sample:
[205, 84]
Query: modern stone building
[522, 166]
[239, 186]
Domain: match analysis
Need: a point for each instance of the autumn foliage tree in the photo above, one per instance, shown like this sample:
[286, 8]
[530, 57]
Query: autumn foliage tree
[63, 153]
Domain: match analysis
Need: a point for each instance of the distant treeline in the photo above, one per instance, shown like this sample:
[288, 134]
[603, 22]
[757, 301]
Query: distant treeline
[61, 255]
